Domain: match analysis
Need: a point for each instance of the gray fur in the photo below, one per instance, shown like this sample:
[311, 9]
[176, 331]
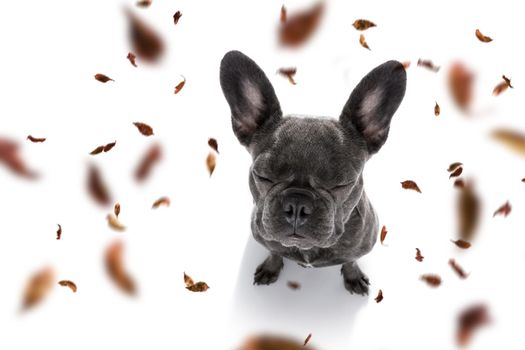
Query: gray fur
[306, 177]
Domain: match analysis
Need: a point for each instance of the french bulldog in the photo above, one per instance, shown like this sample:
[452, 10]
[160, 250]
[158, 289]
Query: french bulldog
[306, 176]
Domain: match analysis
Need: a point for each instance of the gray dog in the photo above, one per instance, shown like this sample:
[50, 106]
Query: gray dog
[306, 177]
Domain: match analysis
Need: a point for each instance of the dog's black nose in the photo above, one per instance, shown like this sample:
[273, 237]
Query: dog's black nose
[298, 205]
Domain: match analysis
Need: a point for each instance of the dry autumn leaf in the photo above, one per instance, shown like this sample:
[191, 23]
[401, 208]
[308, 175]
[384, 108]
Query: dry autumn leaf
[145, 42]
[293, 285]
[144, 3]
[71, 285]
[300, 26]
[459, 183]
[103, 78]
[428, 64]
[116, 209]
[437, 110]
[97, 150]
[36, 139]
[458, 269]
[176, 17]
[363, 24]
[379, 297]
[469, 320]
[461, 243]
[213, 144]
[59, 232]
[307, 339]
[431, 280]
[482, 38]
[131, 57]
[419, 257]
[37, 287]
[161, 201]
[502, 86]
[454, 166]
[383, 234]
[96, 187]
[152, 156]
[109, 146]
[114, 223]
[144, 129]
[180, 85]
[512, 139]
[288, 73]
[363, 42]
[460, 82]
[10, 156]
[456, 172]
[188, 280]
[115, 268]
[210, 162]
[198, 287]
[468, 209]
[410, 185]
[504, 210]
[270, 342]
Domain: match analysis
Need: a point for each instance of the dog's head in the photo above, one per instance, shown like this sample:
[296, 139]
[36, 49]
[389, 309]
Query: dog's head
[306, 172]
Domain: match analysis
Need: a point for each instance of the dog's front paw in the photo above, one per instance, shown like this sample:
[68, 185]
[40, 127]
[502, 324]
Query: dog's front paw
[268, 272]
[355, 280]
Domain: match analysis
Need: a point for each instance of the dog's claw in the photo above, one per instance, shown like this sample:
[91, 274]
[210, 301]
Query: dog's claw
[268, 272]
[354, 279]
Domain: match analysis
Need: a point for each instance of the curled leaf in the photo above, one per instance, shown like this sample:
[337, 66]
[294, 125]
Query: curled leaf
[293, 285]
[468, 209]
[71, 285]
[210, 162]
[454, 166]
[458, 269]
[419, 257]
[428, 64]
[288, 73]
[307, 339]
[152, 156]
[188, 280]
[460, 81]
[35, 139]
[59, 232]
[213, 144]
[462, 244]
[37, 287]
[144, 129]
[116, 209]
[145, 42]
[363, 24]
[482, 38]
[469, 320]
[362, 41]
[410, 185]
[431, 280]
[383, 234]
[512, 139]
[131, 58]
[103, 78]
[161, 201]
[437, 110]
[10, 156]
[114, 223]
[379, 296]
[504, 210]
[300, 26]
[96, 187]
[198, 287]
[115, 268]
[180, 85]
[176, 17]
[456, 172]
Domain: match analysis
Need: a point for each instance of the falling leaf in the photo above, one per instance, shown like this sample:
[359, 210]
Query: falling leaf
[144, 3]
[406, 65]
[210, 162]
[469, 320]
[383, 234]
[96, 187]
[410, 185]
[213, 144]
[270, 342]
[97, 150]
[152, 156]
[161, 201]
[109, 146]
[482, 38]
[288, 73]
[283, 14]
[307, 339]
[459, 183]
[116, 209]
[180, 85]
[468, 209]
[504, 210]
[456, 172]
[115, 268]
[461, 273]
[511, 139]
[507, 81]
[437, 110]
[300, 26]
[454, 166]
[198, 287]
[131, 57]
[502, 86]
[144, 129]
[35, 139]
[363, 24]
[105, 148]
[431, 280]
[379, 297]
[460, 82]
[419, 257]
[428, 64]
[523, 180]
[37, 287]
[10, 156]
[114, 223]
[188, 280]
[362, 41]
[176, 17]
[59, 232]
[70, 284]
[145, 42]
[293, 285]
[103, 78]
[462, 244]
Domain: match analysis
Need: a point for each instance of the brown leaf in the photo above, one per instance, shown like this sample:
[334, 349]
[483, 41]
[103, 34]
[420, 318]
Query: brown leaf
[144, 3]
[210, 162]
[461, 273]
[469, 320]
[176, 17]
[523, 180]
[362, 41]
[500, 88]
[70, 284]
[161, 201]
[213, 144]
[59, 232]
[454, 166]
[363, 24]
[37, 287]
[456, 172]
[145, 41]
[482, 38]
[11, 158]
[460, 82]
[504, 210]
[198, 287]
[507, 81]
[115, 268]
[410, 185]
[131, 57]
[462, 244]
[383, 234]
[293, 285]
[300, 26]
[307, 339]
[97, 150]
[511, 139]
[468, 209]
[109, 146]
[459, 183]
[35, 139]
[419, 257]
[144, 129]
[114, 223]
[180, 85]
[116, 209]
[152, 156]
[270, 342]
[431, 280]
[96, 187]
[437, 110]
[379, 297]
[103, 78]
[288, 73]
[428, 64]
[188, 280]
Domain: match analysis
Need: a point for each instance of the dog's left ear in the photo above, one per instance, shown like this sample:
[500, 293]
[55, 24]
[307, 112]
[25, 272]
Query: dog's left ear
[374, 101]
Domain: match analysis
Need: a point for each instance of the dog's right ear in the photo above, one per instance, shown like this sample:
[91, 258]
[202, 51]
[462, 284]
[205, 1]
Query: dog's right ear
[250, 95]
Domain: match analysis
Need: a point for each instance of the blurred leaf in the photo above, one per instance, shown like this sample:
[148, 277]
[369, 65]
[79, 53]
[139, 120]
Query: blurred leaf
[460, 81]
[437, 110]
[11, 158]
[96, 187]
[210, 162]
[461, 273]
[115, 268]
[38, 287]
[145, 41]
[428, 64]
[293, 285]
[511, 139]
[270, 342]
[59, 232]
[131, 57]
[144, 3]
[116, 209]
[307, 339]
[468, 209]
[431, 280]
[176, 17]
[114, 223]
[283, 14]
[300, 26]
[152, 156]
[469, 320]
[504, 210]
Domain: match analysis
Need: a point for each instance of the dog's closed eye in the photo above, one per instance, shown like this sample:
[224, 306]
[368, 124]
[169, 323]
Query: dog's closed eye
[262, 178]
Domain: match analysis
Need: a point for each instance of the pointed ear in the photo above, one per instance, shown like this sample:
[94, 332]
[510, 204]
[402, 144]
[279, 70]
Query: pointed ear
[374, 101]
[250, 95]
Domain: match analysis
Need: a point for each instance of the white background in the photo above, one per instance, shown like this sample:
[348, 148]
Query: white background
[50, 52]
